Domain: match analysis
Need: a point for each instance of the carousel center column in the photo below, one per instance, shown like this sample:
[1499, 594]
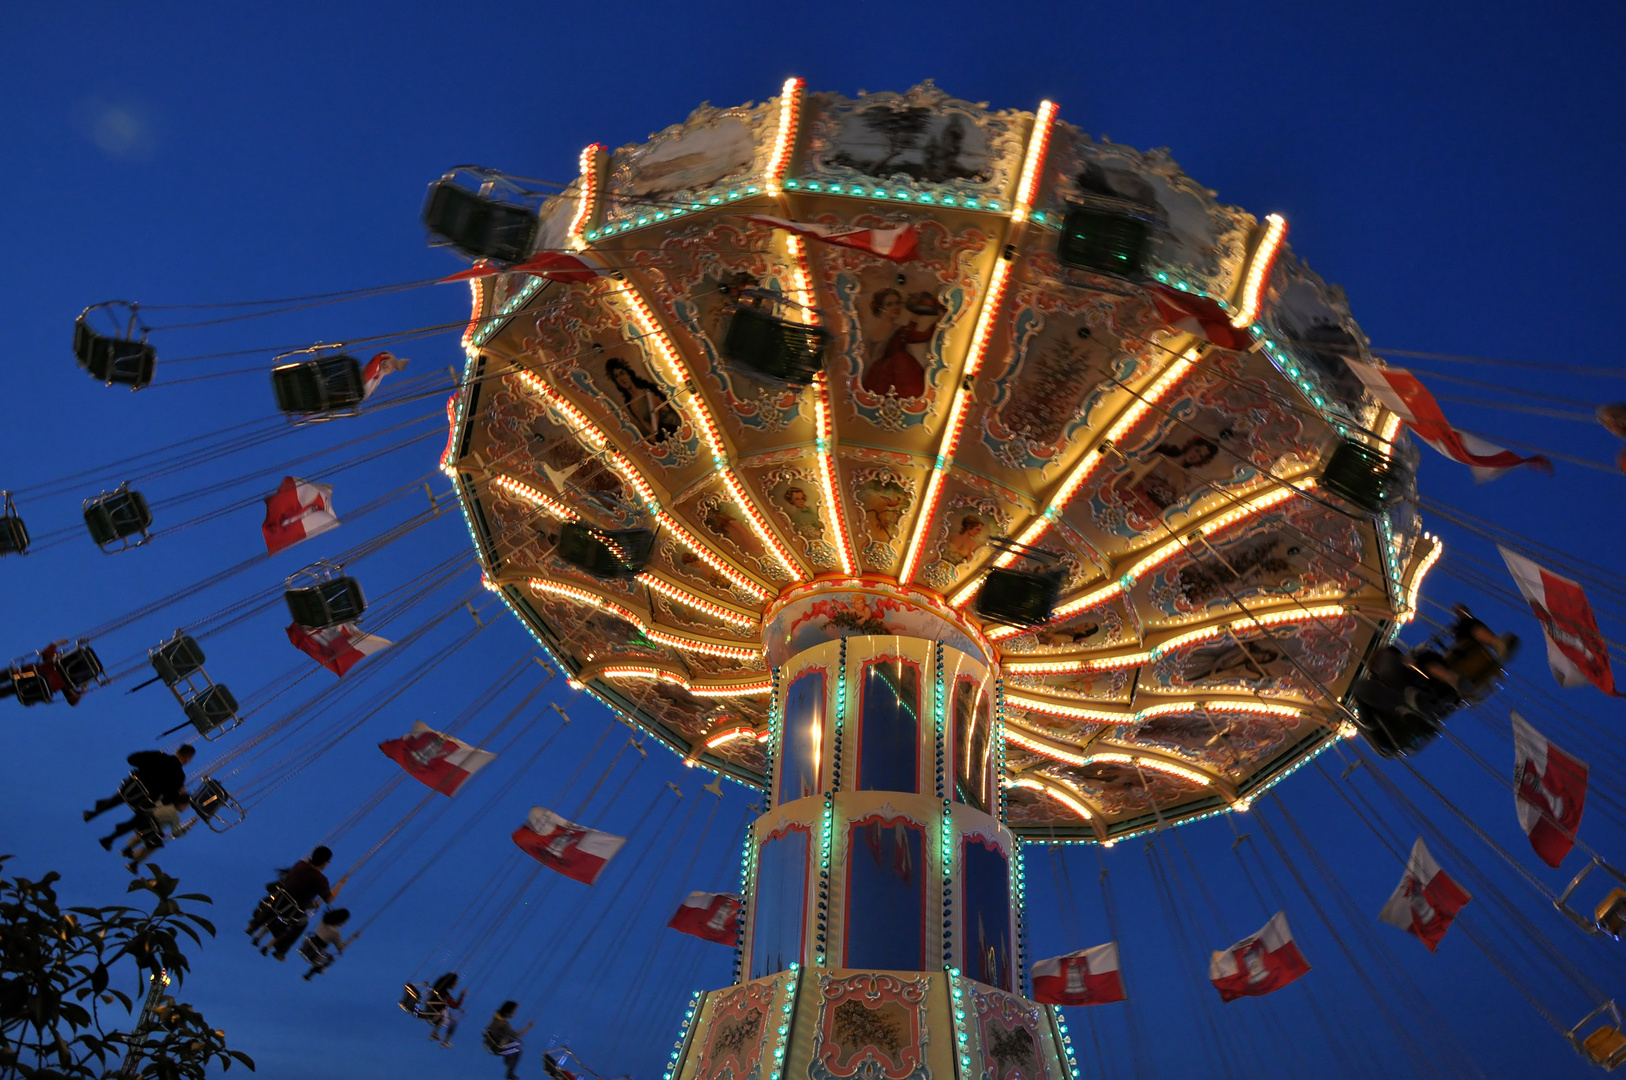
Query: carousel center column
[880, 931]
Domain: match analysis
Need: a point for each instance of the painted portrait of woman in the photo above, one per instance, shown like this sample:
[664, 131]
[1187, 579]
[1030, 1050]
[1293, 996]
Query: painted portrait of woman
[893, 367]
[645, 402]
[1170, 472]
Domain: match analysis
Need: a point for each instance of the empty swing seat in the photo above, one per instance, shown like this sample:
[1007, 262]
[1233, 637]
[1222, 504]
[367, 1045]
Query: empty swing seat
[13, 533]
[476, 225]
[212, 709]
[177, 659]
[1361, 476]
[1104, 241]
[116, 516]
[327, 603]
[1019, 597]
[216, 808]
[1606, 1047]
[111, 360]
[323, 385]
[604, 553]
[774, 348]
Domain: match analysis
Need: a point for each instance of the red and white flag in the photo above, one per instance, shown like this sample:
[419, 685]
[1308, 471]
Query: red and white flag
[1199, 315]
[709, 916]
[1401, 393]
[440, 761]
[337, 648]
[1575, 649]
[558, 265]
[382, 364]
[1258, 964]
[577, 852]
[1426, 900]
[901, 244]
[1086, 977]
[297, 510]
[1549, 792]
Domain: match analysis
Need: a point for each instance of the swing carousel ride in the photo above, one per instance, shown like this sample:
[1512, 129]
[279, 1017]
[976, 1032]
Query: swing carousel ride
[960, 482]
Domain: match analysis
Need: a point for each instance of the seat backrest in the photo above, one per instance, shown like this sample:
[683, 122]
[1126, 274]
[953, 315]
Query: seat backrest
[80, 666]
[1104, 241]
[477, 226]
[177, 658]
[30, 687]
[1606, 1046]
[13, 535]
[212, 708]
[341, 381]
[1019, 597]
[326, 603]
[1611, 912]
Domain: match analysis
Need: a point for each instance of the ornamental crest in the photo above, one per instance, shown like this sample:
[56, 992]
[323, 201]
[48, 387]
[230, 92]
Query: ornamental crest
[872, 1027]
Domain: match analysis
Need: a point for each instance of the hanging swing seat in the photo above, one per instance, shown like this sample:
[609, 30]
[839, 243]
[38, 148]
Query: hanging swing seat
[774, 348]
[313, 950]
[319, 388]
[1361, 476]
[135, 794]
[119, 358]
[1604, 1045]
[1021, 597]
[30, 687]
[1105, 239]
[80, 666]
[329, 599]
[1608, 916]
[113, 517]
[177, 659]
[213, 711]
[608, 554]
[13, 533]
[478, 224]
[217, 809]
[414, 998]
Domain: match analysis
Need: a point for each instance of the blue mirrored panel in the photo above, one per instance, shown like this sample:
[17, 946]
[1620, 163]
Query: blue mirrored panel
[886, 895]
[798, 767]
[986, 926]
[779, 904]
[970, 707]
[889, 745]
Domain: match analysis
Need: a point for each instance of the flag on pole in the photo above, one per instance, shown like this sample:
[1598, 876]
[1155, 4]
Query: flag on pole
[577, 852]
[1401, 393]
[1199, 315]
[1549, 792]
[297, 510]
[558, 265]
[1258, 964]
[1426, 900]
[1575, 648]
[382, 364]
[337, 648]
[901, 244]
[710, 917]
[1086, 977]
[438, 760]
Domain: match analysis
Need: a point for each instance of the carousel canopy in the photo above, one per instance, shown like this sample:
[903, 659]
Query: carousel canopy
[815, 367]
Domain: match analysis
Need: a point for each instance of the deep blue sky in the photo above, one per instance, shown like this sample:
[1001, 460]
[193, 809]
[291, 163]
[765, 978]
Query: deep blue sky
[1454, 166]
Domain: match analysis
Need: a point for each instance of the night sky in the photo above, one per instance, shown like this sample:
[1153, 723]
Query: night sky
[1452, 166]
